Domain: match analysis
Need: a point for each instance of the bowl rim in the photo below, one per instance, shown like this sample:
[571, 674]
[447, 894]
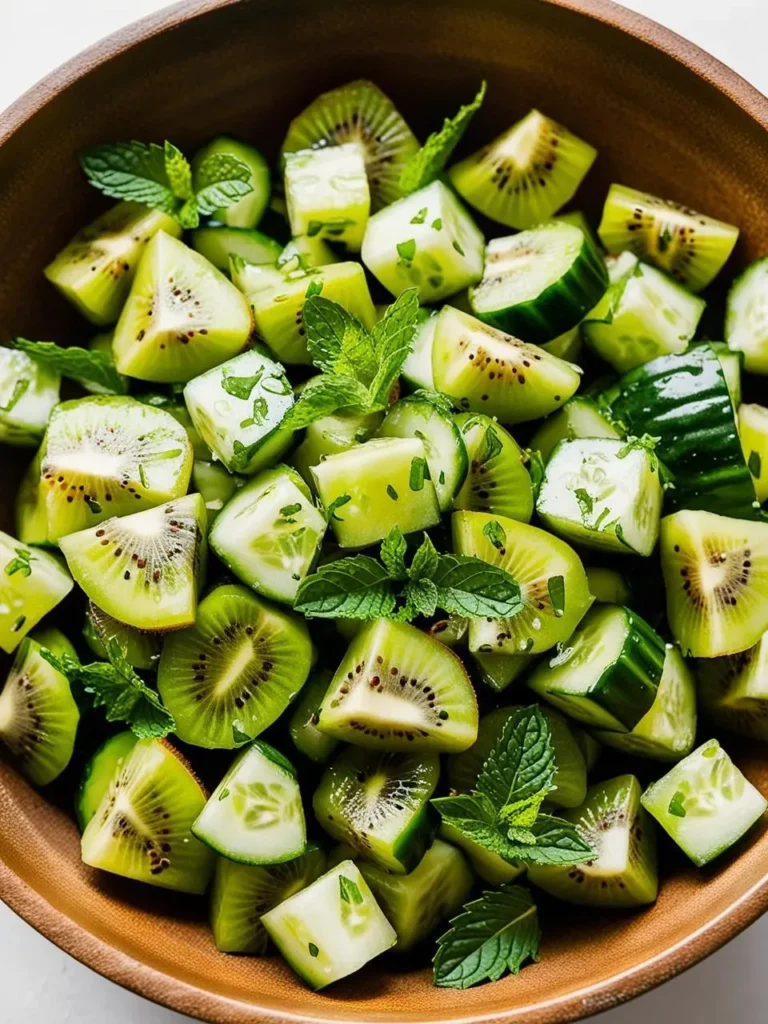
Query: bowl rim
[176, 994]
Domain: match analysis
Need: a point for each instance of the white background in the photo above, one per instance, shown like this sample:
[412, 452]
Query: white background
[39, 983]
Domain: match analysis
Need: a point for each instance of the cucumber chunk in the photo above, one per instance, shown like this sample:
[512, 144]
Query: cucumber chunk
[32, 583]
[417, 368]
[498, 481]
[499, 670]
[248, 211]
[327, 193]
[305, 253]
[581, 416]
[307, 738]
[332, 928]
[753, 432]
[732, 364]
[608, 674]
[28, 393]
[330, 435]
[219, 244]
[216, 484]
[488, 865]
[98, 774]
[746, 316]
[705, 803]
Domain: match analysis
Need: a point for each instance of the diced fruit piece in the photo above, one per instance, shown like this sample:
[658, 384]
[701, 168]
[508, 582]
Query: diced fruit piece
[488, 865]
[305, 253]
[98, 774]
[497, 481]
[32, 583]
[753, 432]
[332, 434]
[716, 577]
[733, 690]
[451, 631]
[552, 582]
[141, 828]
[307, 738]
[608, 586]
[731, 363]
[580, 417]
[623, 871]
[590, 748]
[398, 689]
[232, 674]
[174, 404]
[427, 241]
[182, 315]
[144, 570]
[237, 408]
[216, 484]
[220, 244]
[608, 674]
[377, 485]
[417, 368]
[499, 670]
[142, 650]
[248, 211]
[327, 193]
[746, 316]
[705, 803]
[31, 511]
[96, 269]
[488, 371]
[565, 346]
[526, 174]
[579, 220]
[28, 393]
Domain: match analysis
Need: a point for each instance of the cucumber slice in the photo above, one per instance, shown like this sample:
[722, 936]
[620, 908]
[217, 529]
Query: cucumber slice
[732, 364]
[216, 484]
[330, 435]
[734, 690]
[416, 903]
[497, 481]
[539, 283]
[579, 220]
[488, 371]
[98, 774]
[28, 393]
[426, 240]
[499, 670]
[32, 583]
[248, 211]
[603, 494]
[375, 486]
[269, 534]
[443, 442]
[489, 866]
[746, 316]
[332, 928]
[242, 894]
[608, 586]
[417, 368]
[327, 194]
[237, 408]
[255, 816]
[565, 346]
[378, 803]
[753, 432]
[305, 253]
[668, 731]
[219, 244]
[705, 803]
[608, 675]
[307, 738]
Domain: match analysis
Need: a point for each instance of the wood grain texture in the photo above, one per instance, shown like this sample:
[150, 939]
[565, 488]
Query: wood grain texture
[665, 117]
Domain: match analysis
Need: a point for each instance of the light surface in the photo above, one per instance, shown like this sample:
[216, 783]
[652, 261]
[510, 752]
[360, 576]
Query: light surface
[42, 984]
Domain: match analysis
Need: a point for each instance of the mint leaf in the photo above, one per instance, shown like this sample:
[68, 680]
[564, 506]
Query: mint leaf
[330, 512]
[429, 162]
[178, 172]
[558, 842]
[220, 181]
[238, 736]
[130, 170]
[349, 890]
[392, 553]
[677, 805]
[521, 763]
[93, 369]
[437, 399]
[419, 473]
[338, 343]
[392, 339]
[420, 599]
[491, 446]
[469, 586]
[357, 587]
[494, 934]
[425, 561]
[523, 813]
[322, 396]
[586, 504]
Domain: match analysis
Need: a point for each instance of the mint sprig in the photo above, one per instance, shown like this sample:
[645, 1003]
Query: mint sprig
[91, 368]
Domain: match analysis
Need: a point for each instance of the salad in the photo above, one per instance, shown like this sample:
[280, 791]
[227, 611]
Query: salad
[336, 589]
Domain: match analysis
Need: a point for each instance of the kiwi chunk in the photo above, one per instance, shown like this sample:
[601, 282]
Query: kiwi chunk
[174, 404]
[398, 689]
[734, 690]
[144, 569]
[623, 872]
[716, 577]
[142, 650]
[358, 112]
[216, 484]
[533, 558]
[38, 715]
[689, 246]
[233, 673]
[99, 772]
[753, 433]
[94, 272]
[31, 512]
[182, 316]
[141, 828]
[525, 175]
[332, 434]
[497, 481]
[107, 457]
[499, 670]
[242, 893]
[327, 193]
[302, 726]
[28, 393]
[248, 211]
[32, 583]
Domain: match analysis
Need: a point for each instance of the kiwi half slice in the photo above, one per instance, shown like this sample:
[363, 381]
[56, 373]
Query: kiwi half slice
[98, 774]
[497, 481]
[32, 583]
[235, 671]
[141, 829]
[141, 649]
[38, 715]
[144, 569]
[716, 576]
[398, 689]
[378, 803]
[734, 690]
[358, 112]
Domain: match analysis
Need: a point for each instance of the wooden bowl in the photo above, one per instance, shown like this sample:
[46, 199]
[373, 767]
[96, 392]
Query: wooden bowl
[666, 117]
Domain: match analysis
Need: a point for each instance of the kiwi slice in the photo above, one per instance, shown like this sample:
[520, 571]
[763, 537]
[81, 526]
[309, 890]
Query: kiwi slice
[32, 583]
[99, 772]
[358, 112]
[416, 903]
[733, 691]
[302, 726]
[525, 175]
[216, 484]
[144, 569]
[451, 631]
[31, 511]
[232, 674]
[623, 871]
[242, 893]
[141, 649]
[141, 828]
[497, 481]
[96, 269]
[716, 575]
[38, 715]
[690, 247]
[105, 456]
[399, 689]
[182, 317]
[552, 581]
[378, 803]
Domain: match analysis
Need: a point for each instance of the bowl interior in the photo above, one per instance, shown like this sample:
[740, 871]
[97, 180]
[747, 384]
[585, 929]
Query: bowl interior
[247, 68]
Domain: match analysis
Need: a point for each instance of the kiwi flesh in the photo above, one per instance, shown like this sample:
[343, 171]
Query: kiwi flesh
[174, 404]
[499, 670]
[216, 484]
[623, 871]
[107, 457]
[141, 649]
[716, 576]
[358, 112]
[31, 513]
[32, 583]
[497, 481]
[233, 673]
[141, 828]
[733, 691]
[99, 772]
[144, 570]
[378, 803]
[38, 714]
[302, 726]
[398, 689]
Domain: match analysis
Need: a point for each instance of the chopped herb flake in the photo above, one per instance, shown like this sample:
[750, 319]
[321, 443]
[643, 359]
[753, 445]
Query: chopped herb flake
[420, 217]
[437, 224]
[677, 805]
[290, 510]
[21, 563]
[313, 949]
[392, 492]
[407, 250]
[755, 464]
[349, 890]
[494, 531]
[241, 387]
[458, 248]
[337, 503]
[418, 473]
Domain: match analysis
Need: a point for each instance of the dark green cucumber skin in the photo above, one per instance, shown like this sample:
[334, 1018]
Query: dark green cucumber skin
[684, 401]
[628, 688]
[558, 308]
